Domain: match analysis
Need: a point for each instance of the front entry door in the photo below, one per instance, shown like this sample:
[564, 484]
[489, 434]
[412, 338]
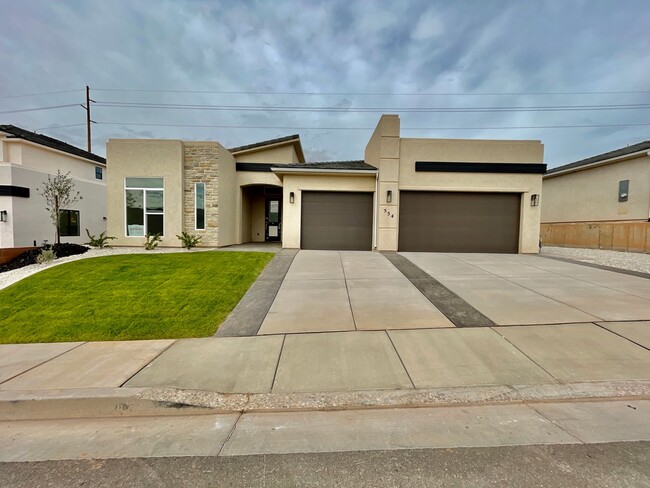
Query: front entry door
[273, 219]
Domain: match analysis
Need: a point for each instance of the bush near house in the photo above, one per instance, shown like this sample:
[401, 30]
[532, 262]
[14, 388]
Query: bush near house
[29, 257]
[131, 296]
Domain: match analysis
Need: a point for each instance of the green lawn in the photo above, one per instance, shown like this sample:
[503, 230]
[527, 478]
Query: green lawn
[137, 296]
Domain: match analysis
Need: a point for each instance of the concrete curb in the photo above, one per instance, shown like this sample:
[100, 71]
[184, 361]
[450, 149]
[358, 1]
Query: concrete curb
[134, 402]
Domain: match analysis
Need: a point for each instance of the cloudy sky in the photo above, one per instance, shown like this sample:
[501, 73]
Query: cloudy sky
[338, 56]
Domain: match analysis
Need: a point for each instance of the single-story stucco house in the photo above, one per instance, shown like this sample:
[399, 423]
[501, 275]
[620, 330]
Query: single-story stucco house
[26, 160]
[602, 202]
[407, 194]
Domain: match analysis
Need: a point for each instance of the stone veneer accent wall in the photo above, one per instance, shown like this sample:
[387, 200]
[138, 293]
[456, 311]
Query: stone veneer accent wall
[201, 165]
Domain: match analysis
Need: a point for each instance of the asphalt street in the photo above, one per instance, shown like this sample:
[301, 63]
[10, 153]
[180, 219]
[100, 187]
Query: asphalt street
[617, 465]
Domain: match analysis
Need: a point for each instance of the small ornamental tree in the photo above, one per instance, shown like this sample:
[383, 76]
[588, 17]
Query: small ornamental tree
[59, 193]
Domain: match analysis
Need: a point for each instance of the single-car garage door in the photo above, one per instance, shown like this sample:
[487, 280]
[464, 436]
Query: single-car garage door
[459, 222]
[336, 220]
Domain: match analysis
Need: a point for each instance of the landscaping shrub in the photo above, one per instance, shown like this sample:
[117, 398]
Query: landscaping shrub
[46, 256]
[29, 257]
[152, 242]
[99, 242]
[189, 241]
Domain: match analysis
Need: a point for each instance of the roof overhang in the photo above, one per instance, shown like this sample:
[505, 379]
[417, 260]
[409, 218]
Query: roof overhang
[324, 172]
[295, 142]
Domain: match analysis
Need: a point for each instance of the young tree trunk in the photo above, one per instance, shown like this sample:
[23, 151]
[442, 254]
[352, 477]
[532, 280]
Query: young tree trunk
[58, 220]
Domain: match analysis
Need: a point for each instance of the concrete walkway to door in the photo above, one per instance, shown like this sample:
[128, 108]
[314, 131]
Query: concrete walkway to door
[327, 291]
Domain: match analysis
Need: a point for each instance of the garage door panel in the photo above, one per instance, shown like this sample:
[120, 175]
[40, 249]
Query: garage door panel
[459, 222]
[336, 220]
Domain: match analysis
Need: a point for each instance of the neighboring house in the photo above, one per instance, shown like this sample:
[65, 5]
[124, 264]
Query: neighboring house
[602, 202]
[407, 194]
[26, 160]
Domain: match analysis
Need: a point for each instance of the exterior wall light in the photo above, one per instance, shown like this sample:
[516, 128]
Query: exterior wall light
[292, 197]
[534, 200]
[3, 215]
[389, 196]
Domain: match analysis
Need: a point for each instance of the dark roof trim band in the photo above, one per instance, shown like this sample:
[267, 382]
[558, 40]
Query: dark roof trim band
[14, 191]
[521, 168]
[260, 167]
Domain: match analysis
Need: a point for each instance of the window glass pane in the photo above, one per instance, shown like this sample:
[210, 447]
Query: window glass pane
[73, 221]
[200, 206]
[63, 223]
[69, 223]
[134, 213]
[144, 182]
[155, 201]
[98, 172]
[154, 224]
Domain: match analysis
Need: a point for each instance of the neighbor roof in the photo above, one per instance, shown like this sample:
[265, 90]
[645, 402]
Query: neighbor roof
[48, 141]
[641, 146]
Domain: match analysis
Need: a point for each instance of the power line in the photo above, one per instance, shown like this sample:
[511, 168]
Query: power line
[42, 93]
[277, 108]
[39, 108]
[383, 94]
[370, 128]
[58, 127]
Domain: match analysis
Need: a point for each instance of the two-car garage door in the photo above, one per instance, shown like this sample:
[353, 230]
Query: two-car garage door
[459, 222]
[428, 221]
[336, 220]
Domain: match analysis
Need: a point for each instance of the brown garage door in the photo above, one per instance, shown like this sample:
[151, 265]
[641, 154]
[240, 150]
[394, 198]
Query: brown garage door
[336, 220]
[459, 222]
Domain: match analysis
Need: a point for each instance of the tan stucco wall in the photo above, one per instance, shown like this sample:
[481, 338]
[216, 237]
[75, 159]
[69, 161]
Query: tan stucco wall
[591, 195]
[229, 194]
[383, 152]
[244, 229]
[279, 154]
[145, 158]
[395, 157]
[299, 183]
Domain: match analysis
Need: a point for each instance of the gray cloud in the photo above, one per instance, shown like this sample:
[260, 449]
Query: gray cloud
[336, 46]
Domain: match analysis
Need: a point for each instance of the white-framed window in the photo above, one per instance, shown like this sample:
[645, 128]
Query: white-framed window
[199, 206]
[144, 206]
[99, 173]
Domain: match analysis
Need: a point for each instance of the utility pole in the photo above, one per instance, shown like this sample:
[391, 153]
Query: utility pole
[88, 120]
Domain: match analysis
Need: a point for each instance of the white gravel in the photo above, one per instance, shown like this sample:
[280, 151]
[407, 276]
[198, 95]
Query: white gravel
[623, 260]
[10, 277]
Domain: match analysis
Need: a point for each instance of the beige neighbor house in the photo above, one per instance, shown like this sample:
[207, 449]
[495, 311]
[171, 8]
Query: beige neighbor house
[602, 202]
[26, 160]
[407, 194]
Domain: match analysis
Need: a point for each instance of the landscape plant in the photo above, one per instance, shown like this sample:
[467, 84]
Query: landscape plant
[151, 242]
[188, 240]
[100, 242]
[46, 256]
[59, 193]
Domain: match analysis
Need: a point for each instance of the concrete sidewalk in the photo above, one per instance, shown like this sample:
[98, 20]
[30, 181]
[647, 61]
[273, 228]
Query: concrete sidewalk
[547, 357]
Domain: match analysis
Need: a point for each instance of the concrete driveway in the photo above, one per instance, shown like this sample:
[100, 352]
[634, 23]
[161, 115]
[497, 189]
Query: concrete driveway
[326, 291]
